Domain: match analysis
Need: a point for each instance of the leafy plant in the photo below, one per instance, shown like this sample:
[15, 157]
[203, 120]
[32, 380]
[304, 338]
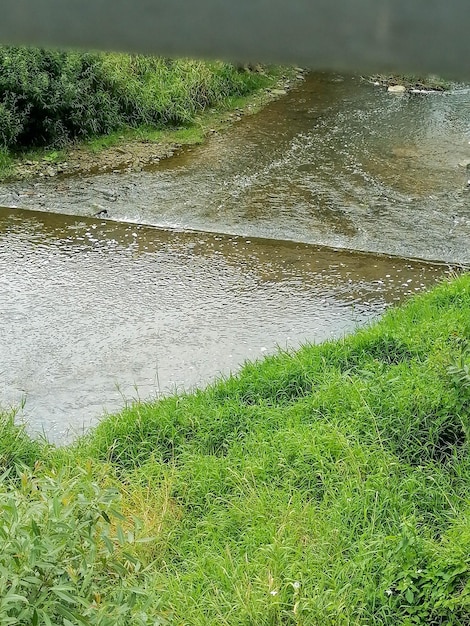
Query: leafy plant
[430, 585]
[52, 97]
[65, 559]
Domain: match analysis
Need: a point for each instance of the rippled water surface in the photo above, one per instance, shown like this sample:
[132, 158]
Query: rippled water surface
[337, 162]
[96, 313]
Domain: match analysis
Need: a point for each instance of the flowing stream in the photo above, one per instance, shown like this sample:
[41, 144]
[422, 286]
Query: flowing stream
[297, 224]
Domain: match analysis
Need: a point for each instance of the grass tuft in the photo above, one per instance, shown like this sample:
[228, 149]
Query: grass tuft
[52, 97]
[16, 447]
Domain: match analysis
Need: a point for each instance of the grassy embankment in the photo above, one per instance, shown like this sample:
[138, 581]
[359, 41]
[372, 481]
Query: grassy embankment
[50, 100]
[330, 486]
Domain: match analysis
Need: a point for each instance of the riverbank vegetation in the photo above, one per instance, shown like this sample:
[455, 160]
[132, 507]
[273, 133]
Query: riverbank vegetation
[324, 486]
[50, 99]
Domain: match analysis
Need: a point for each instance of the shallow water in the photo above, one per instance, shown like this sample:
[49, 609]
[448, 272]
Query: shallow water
[336, 162]
[97, 313]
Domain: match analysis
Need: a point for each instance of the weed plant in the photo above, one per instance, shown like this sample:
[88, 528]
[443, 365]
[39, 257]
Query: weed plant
[64, 558]
[52, 97]
[327, 486]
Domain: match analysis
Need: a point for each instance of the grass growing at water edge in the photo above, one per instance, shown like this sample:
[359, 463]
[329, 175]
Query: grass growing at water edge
[53, 99]
[326, 486]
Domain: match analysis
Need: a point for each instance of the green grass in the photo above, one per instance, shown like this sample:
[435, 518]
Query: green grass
[194, 133]
[51, 97]
[6, 163]
[327, 486]
[16, 447]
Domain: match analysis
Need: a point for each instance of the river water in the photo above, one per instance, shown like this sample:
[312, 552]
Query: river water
[218, 254]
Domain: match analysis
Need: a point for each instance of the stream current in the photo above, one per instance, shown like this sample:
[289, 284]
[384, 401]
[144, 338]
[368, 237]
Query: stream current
[297, 224]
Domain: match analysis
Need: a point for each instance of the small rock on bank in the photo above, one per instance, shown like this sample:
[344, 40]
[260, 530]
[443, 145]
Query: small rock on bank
[396, 89]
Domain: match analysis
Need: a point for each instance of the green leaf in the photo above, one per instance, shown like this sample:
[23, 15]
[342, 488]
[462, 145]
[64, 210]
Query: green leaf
[56, 506]
[63, 594]
[117, 514]
[410, 596]
[71, 616]
[108, 543]
[121, 536]
[46, 619]
[14, 597]
[120, 569]
[35, 527]
[138, 591]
